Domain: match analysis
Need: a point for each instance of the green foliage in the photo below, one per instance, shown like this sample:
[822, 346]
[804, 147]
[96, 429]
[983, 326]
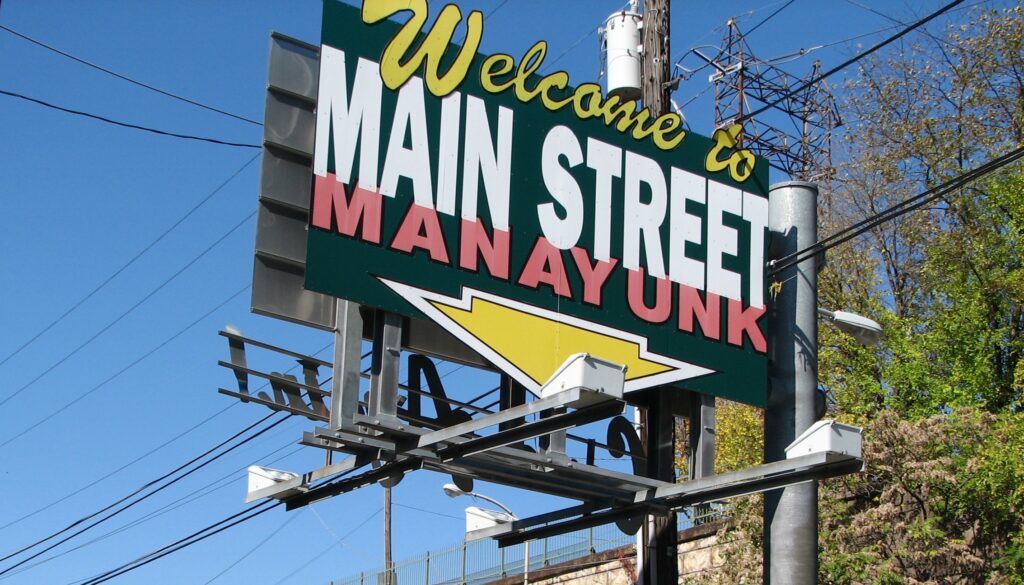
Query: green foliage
[942, 400]
[942, 502]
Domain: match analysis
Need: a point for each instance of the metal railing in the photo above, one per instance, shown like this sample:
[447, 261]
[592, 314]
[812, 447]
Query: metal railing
[481, 561]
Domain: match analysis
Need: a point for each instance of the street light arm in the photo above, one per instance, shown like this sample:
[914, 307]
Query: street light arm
[453, 491]
[495, 502]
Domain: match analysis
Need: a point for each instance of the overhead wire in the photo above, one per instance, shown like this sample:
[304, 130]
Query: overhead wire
[822, 76]
[288, 520]
[130, 309]
[324, 550]
[751, 30]
[159, 489]
[122, 77]
[198, 536]
[908, 205]
[131, 261]
[793, 55]
[128, 125]
[119, 469]
[139, 491]
[50, 415]
[188, 498]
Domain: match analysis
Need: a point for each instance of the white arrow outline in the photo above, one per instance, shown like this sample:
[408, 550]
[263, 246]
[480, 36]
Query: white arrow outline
[420, 298]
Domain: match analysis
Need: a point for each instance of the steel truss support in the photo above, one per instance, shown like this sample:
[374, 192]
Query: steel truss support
[801, 145]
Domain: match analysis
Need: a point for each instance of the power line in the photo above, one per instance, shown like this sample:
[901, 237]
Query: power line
[916, 202]
[769, 17]
[486, 16]
[793, 55]
[50, 415]
[119, 469]
[329, 547]
[822, 76]
[151, 451]
[129, 310]
[263, 541]
[138, 491]
[188, 498]
[161, 510]
[126, 78]
[194, 538]
[198, 536]
[426, 511]
[125, 266]
[127, 124]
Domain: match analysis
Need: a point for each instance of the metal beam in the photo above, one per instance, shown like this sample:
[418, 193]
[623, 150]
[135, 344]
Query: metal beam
[348, 340]
[743, 482]
[299, 483]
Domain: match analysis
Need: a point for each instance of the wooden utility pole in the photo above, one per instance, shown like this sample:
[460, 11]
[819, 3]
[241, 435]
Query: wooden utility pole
[656, 74]
[659, 532]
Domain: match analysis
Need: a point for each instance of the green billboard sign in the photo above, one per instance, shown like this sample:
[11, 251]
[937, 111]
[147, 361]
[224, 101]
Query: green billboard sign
[532, 219]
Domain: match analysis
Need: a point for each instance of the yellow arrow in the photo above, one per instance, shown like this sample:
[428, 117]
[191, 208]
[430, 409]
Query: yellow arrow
[530, 343]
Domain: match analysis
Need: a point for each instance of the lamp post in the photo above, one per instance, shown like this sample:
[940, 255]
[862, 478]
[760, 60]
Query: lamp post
[791, 513]
[453, 491]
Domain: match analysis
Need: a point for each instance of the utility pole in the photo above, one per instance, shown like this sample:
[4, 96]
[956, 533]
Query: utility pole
[791, 513]
[658, 532]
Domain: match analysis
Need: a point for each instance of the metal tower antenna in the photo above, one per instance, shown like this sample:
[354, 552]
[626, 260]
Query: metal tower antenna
[799, 142]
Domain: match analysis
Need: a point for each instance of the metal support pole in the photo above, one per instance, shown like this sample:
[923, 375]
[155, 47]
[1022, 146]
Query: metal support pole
[791, 514]
[702, 435]
[526, 563]
[702, 445]
[463, 579]
[389, 569]
[348, 339]
[387, 350]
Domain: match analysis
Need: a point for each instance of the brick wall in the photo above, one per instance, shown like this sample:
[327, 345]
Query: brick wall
[698, 552]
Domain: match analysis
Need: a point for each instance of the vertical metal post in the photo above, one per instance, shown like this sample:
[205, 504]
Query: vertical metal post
[702, 445]
[791, 514]
[426, 571]
[526, 563]
[387, 350]
[389, 569]
[702, 435]
[463, 579]
[348, 340]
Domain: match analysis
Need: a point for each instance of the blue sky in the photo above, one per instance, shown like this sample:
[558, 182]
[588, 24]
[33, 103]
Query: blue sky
[81, 198]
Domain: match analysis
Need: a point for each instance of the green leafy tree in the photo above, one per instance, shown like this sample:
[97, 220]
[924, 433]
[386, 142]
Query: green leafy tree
[941, 400]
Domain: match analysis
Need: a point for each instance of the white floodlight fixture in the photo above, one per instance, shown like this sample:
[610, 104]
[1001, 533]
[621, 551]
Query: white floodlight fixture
[482, 518]
[603, 378]
[264, 477]
[828, 436]
[864, 330]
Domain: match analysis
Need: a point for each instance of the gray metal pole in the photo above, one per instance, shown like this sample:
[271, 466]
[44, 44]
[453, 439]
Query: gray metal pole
[791, 514]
